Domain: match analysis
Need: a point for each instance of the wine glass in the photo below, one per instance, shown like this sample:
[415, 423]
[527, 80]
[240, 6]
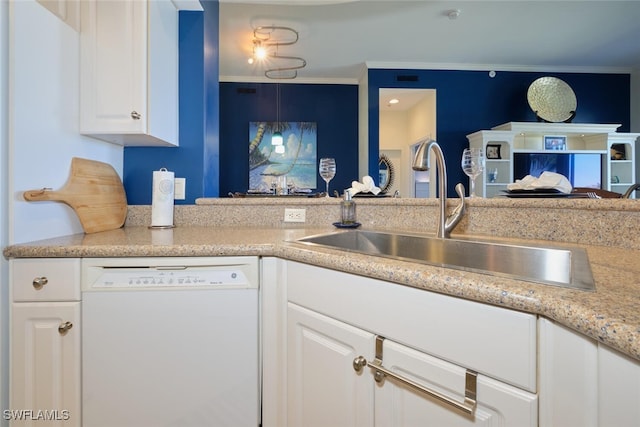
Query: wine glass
[327, 169]
[472, 165]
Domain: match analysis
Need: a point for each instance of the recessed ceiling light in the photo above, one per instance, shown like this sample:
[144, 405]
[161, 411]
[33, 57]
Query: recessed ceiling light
[453, 14]
[394, 101]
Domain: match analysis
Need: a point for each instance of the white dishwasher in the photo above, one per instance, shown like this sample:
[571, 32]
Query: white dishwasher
[170, 342]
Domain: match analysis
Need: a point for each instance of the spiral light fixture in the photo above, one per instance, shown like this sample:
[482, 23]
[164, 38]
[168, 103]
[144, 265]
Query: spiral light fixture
[266, 43]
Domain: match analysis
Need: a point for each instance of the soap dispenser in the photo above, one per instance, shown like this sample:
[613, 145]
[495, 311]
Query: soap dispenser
[348, 209]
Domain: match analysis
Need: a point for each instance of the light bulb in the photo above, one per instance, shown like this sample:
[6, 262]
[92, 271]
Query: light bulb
[276, 139]
[260, 53]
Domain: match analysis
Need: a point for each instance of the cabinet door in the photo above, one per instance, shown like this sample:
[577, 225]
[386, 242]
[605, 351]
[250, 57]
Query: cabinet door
[113, 75]
[618, 389]
[400, 406]
[45, 364]
[129, 71]
[323, 388]
[568, 371]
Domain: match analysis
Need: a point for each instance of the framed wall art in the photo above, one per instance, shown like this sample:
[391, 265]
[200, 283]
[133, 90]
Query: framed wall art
[493, 151]
[295, 155]
[554, 142]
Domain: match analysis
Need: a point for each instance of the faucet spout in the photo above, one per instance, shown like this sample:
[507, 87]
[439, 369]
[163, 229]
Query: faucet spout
[630, 191]
[421, 162]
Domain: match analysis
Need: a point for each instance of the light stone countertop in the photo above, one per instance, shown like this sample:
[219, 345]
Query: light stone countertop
[610, 315]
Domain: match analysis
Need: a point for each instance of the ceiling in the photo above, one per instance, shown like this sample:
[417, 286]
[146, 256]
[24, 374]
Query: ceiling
[337, 38]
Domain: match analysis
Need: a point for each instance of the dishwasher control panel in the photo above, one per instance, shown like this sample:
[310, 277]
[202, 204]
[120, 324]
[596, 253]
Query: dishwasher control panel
[145, 278]
[169, 273]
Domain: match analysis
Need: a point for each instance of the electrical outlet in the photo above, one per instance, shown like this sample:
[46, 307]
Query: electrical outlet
[295, 215]
[179, 191]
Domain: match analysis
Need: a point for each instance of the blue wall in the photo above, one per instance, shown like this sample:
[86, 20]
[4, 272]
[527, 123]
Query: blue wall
[468, 101]
[197, 30]
[334, 108]
[211, 155]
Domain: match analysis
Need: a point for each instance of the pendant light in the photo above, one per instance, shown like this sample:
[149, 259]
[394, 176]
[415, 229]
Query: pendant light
[276, 138]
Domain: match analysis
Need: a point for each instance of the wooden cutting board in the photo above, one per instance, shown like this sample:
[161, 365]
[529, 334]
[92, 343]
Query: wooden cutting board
[95, 192]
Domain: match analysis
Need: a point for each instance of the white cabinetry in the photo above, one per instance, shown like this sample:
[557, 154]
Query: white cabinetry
[45, 342]
[515, 137]
[583, 383]
[323, 389]
[399, 406]
[431, 339]
[129, 71]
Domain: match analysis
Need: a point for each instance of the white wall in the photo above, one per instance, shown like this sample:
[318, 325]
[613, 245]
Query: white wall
[393, 144]
[43, 121]
[4, 281]
[39, 97]
[363, 124]
[422, 117]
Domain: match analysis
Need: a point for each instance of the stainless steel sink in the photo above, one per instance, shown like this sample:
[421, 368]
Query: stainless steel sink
[558, 266]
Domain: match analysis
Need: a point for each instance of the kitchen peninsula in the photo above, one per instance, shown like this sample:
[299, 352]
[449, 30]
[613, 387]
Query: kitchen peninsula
[605, 319]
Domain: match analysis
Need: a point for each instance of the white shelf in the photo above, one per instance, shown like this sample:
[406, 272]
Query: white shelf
[523, 137]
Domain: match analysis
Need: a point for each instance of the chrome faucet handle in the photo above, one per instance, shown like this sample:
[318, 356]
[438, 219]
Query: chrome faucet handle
[458, 212]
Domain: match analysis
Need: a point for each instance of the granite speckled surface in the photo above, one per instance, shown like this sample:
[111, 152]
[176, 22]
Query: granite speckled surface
[610, 315]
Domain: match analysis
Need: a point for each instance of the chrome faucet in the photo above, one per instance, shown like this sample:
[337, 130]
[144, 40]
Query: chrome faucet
[630, 191]
[421, 163]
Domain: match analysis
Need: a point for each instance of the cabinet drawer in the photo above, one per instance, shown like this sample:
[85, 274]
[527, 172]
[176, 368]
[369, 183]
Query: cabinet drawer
[497, 342]
[497, 403]
[45, 279]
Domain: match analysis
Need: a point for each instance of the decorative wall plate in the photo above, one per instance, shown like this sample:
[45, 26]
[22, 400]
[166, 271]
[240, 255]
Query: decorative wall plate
[552, 99]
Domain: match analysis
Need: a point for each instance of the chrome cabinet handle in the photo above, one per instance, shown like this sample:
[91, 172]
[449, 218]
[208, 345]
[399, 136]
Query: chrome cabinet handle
[64, 327]
[380, 372]
[39, 282]
[135, 115]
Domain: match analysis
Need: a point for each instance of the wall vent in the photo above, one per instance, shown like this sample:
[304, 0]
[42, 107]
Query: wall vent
[406, 78]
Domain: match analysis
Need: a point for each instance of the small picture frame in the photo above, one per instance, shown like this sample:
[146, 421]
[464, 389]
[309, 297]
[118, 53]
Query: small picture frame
[555, 142]
[618, 152]
[493, 151]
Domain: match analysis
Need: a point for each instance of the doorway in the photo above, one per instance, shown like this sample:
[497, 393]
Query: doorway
[402, 123]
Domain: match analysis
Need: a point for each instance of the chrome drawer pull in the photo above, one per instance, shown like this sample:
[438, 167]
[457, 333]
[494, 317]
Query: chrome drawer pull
[135, 115]
[39, 282]
[469, 404]
[64, 327]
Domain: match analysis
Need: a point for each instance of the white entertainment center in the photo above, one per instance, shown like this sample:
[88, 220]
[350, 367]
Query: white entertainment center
[523, 137]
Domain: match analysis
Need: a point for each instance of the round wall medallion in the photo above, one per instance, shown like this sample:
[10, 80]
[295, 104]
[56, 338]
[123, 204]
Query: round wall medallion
[552, 99]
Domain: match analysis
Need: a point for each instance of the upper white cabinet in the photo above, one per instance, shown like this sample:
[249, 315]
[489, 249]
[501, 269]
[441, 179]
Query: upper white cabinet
[129, 72]
[614, 152]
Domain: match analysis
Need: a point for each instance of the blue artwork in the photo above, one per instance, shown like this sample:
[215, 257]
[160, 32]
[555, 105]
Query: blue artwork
[295, 157]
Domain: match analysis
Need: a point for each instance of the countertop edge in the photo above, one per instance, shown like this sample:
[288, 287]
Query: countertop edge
[572, 308]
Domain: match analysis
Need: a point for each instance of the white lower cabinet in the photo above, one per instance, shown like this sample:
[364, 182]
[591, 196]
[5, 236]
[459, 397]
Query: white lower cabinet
[584, 383]
[45, 364]
[45, 343]
[324, 388]
[396, 405]
[449, 346]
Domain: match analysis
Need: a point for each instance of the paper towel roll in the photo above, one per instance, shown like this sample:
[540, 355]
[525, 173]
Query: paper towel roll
[162, 198]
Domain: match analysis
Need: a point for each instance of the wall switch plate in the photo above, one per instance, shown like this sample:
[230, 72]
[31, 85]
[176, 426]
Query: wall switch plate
[179, 188]
[295, 215]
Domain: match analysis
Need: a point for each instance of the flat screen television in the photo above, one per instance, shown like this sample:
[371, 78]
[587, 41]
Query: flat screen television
[581, 169]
